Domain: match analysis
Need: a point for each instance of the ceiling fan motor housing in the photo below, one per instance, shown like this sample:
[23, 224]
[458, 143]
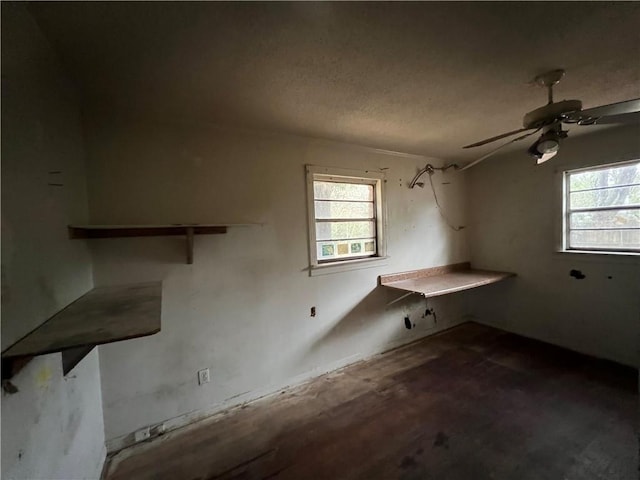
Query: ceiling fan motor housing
[550, 118]
[550, 113]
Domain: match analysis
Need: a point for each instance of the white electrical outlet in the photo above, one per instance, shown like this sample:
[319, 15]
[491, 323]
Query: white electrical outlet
[203, 376]
[158, 429]
[142, 434]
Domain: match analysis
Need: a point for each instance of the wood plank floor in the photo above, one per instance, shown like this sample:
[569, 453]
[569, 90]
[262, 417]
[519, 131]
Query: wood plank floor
[472, 403]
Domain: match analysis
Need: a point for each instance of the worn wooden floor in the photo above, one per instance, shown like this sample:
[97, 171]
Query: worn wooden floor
[472, 403]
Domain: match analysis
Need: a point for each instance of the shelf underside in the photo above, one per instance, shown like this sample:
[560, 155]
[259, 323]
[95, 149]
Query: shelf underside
[119, 231]
[115, 231]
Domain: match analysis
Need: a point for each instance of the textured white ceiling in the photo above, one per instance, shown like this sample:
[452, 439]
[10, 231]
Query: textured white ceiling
[417, 77]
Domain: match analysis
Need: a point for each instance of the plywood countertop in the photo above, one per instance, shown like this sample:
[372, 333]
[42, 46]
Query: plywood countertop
[103, 315]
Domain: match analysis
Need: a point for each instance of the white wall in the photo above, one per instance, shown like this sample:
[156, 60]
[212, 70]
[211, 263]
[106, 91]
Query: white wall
[515, 207]
[242, 308]
[53, 427]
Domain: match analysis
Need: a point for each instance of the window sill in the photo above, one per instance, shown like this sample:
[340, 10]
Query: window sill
[347, 265]
[601, 252]
[600, 256]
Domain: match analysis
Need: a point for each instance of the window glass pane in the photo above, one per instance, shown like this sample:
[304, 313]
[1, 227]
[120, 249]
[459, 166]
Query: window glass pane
[605, 239]
[604, 191]
[345, 211]
[333, 209]
[345, 230]
[607, 197]
[606, 219]
[342, 191]
[340, 249]
[606, 177]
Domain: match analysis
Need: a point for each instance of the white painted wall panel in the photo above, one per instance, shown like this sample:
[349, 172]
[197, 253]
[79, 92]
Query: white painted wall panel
[515, 206]
[53, 426]
[242, 309]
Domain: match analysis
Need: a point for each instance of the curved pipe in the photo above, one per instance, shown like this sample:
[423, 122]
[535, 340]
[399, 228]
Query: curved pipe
[427, 168]
[430, 169]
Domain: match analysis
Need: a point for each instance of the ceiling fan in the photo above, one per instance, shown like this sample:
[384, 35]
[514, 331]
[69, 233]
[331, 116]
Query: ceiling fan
[549, 120]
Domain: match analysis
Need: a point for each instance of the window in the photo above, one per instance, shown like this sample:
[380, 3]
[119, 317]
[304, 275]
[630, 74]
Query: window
[345, 215]
[602, 208]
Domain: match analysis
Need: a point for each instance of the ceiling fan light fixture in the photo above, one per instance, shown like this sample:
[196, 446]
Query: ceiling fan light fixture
[545, 156]
[547, 145]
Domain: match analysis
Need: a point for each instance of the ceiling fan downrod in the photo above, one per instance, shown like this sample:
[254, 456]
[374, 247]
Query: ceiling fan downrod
[548, 80]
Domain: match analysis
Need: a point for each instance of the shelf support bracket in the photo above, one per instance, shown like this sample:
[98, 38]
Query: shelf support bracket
[401, 298]
[72, 356]
[189, 232]
[12, 365]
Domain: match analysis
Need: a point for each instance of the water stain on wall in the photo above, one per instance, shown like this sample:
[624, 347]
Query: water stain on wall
[43, 377]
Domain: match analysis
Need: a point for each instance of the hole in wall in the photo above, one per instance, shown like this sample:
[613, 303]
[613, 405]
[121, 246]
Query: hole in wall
[577, 274]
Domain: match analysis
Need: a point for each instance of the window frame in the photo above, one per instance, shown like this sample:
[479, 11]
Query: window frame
[368, 177]
[566, 212]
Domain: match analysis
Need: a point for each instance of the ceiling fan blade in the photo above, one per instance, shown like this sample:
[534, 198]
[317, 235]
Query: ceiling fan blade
[591, 115]
[629, 106]
[498, 137]
[487, 155]
[624, 118]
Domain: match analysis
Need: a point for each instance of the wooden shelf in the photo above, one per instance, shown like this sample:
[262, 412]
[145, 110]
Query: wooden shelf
[118, 231]
[115, 231]
[103, 315]
[433, 282]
